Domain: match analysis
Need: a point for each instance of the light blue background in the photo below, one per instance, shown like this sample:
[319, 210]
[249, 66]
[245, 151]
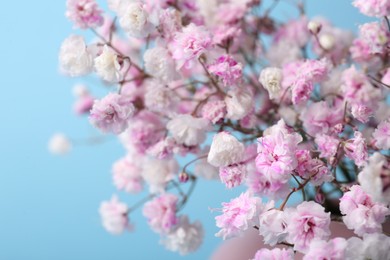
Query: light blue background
[49, 205]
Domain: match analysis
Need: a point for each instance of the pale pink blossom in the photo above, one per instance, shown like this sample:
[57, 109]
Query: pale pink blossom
[381, 135]
[306, 223]
[375, 178]
[188, 130]
[228, 70]
[185, 238]
[274, 254]
[161, 213]
[237, 215]
[190, 44]
[239, 103]
[312, 168]
[294, 32]
[327, 145]
[376, 8]
[112, 113]
[232, 175]
[334, 249]
[214, 111]
[84, 13]
[114, 215]
[273, 226]
[127, 175]
[362, 214]
[356, 149]
[321, 117]
[376, 36]
[271, 79]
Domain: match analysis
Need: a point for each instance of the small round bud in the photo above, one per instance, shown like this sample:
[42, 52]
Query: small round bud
[314, 27]
[183, 177]
[319, 198]
[327, 41]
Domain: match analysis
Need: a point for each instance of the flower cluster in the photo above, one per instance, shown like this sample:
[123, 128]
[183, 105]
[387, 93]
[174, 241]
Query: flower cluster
[283, 108]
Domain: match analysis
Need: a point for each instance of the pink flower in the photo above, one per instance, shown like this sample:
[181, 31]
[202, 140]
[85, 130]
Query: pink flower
[327, 145]
[161, 213]
[361, 213]
[376, 36]
[376, 8]
[237, 215]
[273, 226]
[227, 69]
[321, 118]
[356, 149]
[302, 78]
[382, 135]
[334, 249]
[189, 44]
[83, 104]
[114, 215]
[274, 254]
[294, 32]
[360, 51]
[232, 175]
[214, 111]
[127, 175]
[84, 13]
[315, 169]
[276, 153]
[306, 223]
[111, 114]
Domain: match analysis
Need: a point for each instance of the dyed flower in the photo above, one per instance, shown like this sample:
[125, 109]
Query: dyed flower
[307, 223]
[84, 13]
[214, 111]
[376, 8]
[277, 152]
[157, 173]
[232, 175]
[237, 215]
[382, 135]
[334, 249]
[185, 238]
[375, 178]
[188, 130]
[327, 145]
[59, 144]
[159, 97]
[107, 65]
[361, 213]
[227, 69]
[75, 59]
[313, 168]
[159, 63]
[271, 79]
[274, 254]
[127, 176]
[273, 226]
[225, 150]
[161, 213]
[376, 36]
[238, 103]
[356, 149]
[134, 19]
[190, 44]
[114, 216]
[111, 114]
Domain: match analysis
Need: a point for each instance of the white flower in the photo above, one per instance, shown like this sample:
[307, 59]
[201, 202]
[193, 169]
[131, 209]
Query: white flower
[114, 215]
[160, 64]
[135, 20]
[372, 178]
[107, 65]
[59, 144]
[271, 79]
[157, 173]
[288, 114]
[273, 226]
[188, 130]
[283, 52]
[238, 104]
[185, 238]
[158, 97]
[376, 246]
[225, 150]
[314, 27]
[327, 41]
[75, 59]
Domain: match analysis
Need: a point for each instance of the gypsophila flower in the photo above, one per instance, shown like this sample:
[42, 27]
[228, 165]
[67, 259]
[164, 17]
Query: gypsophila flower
[111, 114]
[188, 130]
[225, 150]
[377, 8]
[334, 249]
[382, 135]
[84, 13]
[237, 215]
[114, 215]
[232, 175]
[134, 19]
[107, 65]
[59, 144]
[75, 58]
[271, 79]
[274, 254]
[127, 175]
[227, 69]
